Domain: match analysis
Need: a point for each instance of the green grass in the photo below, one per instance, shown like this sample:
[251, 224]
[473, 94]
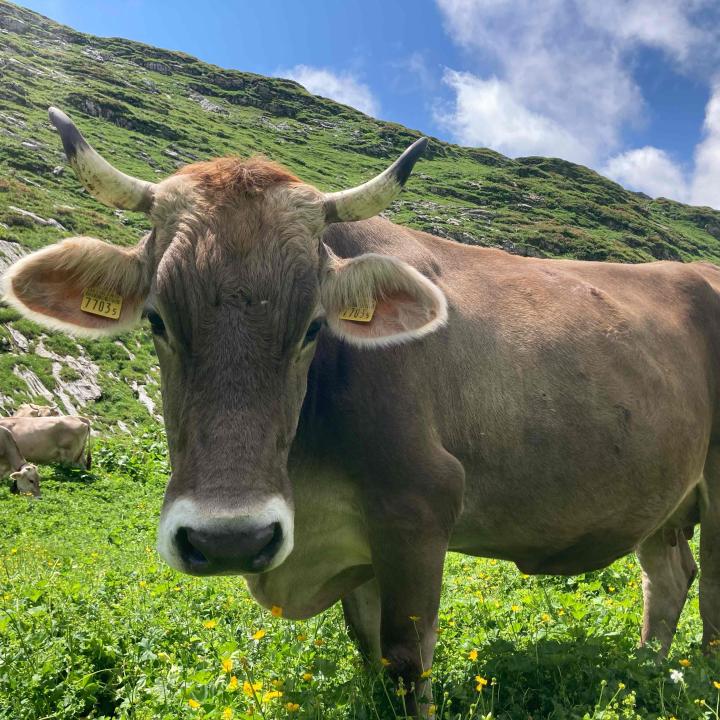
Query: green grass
[94, 625]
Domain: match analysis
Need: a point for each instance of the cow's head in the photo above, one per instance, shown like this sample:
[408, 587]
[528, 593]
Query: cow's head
[26, 481]
[236, 285]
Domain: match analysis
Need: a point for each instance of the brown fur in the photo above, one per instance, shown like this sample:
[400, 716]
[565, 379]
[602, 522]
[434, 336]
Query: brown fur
[238, 175]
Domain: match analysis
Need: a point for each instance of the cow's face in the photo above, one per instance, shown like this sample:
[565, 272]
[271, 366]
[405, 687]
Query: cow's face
[236, 286]
[26, 480]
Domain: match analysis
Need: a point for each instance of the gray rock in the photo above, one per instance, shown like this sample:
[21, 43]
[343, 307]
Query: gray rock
[52, 222]
[13, 24]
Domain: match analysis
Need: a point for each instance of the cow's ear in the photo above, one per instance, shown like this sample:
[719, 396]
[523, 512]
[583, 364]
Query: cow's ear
[81, 285]
[377, 300]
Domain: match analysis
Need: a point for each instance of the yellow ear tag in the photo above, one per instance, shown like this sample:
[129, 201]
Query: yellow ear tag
[359, 313]
[101, 302]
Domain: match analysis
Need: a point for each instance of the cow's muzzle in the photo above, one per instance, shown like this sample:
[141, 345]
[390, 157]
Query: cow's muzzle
[211, 543]
[210, 551]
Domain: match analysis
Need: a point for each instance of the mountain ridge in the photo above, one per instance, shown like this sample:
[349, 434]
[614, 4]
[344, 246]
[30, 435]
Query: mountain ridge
[150, 110]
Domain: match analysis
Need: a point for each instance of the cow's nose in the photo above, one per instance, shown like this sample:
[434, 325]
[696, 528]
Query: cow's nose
[213, 550]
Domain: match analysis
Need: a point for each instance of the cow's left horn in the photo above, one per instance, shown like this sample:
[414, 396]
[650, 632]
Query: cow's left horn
[100, 178]
[375, 195]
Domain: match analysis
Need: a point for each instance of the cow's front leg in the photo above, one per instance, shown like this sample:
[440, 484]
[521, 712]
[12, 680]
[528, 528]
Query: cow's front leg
[361, 608]
[410, 522]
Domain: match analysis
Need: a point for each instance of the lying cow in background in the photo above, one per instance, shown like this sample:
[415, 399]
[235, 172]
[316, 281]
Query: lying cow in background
[24, 476]
[52, 439]
[32, 410]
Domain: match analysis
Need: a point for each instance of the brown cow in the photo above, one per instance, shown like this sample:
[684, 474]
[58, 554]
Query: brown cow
[24, 476]
[346, 402]
[52, 439]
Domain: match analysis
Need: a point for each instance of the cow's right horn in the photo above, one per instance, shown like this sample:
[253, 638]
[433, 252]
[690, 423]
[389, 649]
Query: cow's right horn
[372, 197]
[100, 178]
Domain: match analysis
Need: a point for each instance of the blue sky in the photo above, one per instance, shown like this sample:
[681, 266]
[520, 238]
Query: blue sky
[628, 87]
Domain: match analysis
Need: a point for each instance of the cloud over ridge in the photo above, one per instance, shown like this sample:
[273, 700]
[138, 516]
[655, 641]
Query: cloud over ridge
[558, 79]
[344, 87]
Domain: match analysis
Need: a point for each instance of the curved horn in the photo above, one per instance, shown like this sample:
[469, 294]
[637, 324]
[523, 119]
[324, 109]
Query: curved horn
[375, 195]
[100, 178]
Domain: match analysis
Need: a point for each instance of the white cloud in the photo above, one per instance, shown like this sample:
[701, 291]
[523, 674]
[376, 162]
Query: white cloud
[705, 188]
[648, 170]
[664, 24]
[486, 112]
[343, 87]
[563, 66]
[654, 172]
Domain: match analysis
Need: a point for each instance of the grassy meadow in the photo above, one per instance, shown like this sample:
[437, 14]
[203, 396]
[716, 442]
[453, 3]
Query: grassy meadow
[94, 625]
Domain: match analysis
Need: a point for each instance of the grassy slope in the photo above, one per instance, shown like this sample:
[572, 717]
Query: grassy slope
[91, 624]
[141, 107]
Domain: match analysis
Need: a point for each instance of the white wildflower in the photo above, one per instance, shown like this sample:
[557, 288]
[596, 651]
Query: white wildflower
[676, 676]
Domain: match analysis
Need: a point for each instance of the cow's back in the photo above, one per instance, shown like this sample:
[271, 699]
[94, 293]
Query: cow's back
[50, 439]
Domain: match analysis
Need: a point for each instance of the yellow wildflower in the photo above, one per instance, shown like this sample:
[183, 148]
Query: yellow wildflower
[545, 617]
[384, 662]
[401, 691]
[481, 682]
[414, 618]
[716, 684]
[227, 665]
[259, 635]
[210, 624]
[142, 583]
[232, 686]
[271, 695]
[685, 662]
[621, 686]
[250, 690]
[292, 707]
[228, 714]
[308, 676]
[426, 673]
[473, 655]
[194, 704]
[432, 709]
[276, 611]
[515, 608]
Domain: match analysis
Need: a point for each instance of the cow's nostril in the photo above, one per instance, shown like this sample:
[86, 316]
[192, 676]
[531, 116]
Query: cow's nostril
[266, 555]
[189, 553]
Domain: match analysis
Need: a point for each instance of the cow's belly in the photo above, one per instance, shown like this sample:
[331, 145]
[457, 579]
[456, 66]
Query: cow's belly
[330, 557]
[545, 536]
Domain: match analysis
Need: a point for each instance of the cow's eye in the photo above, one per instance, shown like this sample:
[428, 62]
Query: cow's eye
[312, 331]
[156, 323]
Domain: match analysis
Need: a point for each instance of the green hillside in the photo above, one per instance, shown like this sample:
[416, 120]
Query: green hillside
[151, 110]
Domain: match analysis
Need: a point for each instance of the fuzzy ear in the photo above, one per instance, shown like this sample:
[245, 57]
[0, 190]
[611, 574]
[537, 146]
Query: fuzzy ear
[81, 285]
[377, 300]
